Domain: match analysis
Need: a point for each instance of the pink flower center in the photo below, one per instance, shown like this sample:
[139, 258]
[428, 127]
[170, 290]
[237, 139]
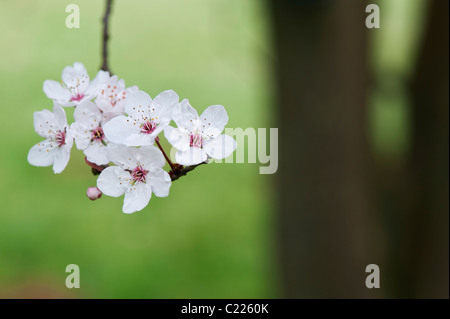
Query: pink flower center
[138, 174]
[148, 127]
[196, 140]
[98, 135]
[113, 94]
[77, 97]
[60, 138]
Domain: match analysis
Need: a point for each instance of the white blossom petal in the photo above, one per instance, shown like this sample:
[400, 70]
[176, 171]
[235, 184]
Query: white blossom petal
[82, 134]
[42, 154]
[215, 116]
[136, 198]
[160, 182]
[96, 153]
[88, 113]
[164, 104]
[192, 156]
[119, 128]
[177, 138]
[107, 116]
[69, 138]
[123, 156]
[56, 91]
[137, 102]
[60, 116]
[94, 86]
[220, 147]
[87, 118]
[151, 157]
[44, 123]
[76, 76]
[142, 139]
[114, 181]
[132, 89]
[184, 115]
[61, 158]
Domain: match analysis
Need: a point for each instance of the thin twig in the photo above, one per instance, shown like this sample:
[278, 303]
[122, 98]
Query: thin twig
[96, 169]
[105, 65]
[164, 153]
[181, 170]
[177, 170]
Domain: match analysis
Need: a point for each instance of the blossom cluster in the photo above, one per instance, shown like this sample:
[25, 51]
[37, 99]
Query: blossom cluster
[117, 127]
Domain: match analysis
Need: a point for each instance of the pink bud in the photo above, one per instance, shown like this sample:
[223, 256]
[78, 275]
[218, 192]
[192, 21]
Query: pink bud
[93, 193]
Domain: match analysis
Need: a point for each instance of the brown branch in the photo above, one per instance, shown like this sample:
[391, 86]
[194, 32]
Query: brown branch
[96, 169]
[105, 65]
[176, 170]
[164, 153]
[181, 170]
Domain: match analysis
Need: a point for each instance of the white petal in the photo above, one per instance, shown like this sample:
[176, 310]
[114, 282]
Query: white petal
[113, 181]
[211, 133]
[44, 123]
[192, 156]
[132, 89]
[82, 134]
[119, 128]
[96, 153]
[176, 138]
[136, 198]
[56, 91]
[123, 156]
[184, 114]
[69, 138]
[88, 113]
[62, 156]
[142, 139]
[42, 154]
[220, 147]
[137, 102]
[94, 86]
[105, 105]
[107, 116]
[150, 157]
[60, 116]
[76, 76]
[164, 104]
[215, 116]
[160, 182]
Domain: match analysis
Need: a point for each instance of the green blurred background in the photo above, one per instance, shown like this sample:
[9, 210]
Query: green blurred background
[215, 236]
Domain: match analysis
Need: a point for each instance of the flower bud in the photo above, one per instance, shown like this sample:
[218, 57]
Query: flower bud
[93, 193]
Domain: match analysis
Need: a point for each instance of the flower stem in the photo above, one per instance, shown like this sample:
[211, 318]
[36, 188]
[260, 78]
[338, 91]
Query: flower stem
[96, 169]
[181, 170]
[105, 66]
[164, 153]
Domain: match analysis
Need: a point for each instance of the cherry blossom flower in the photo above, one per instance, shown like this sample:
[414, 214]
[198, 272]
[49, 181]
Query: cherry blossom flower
[145, 120]
[75, 86]
[199, 137]
[88, 133]
[56, 148]
[138, 173]
[111, 96]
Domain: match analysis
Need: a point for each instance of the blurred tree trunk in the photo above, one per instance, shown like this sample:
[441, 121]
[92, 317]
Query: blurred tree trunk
[429, 235]
[325, 219]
